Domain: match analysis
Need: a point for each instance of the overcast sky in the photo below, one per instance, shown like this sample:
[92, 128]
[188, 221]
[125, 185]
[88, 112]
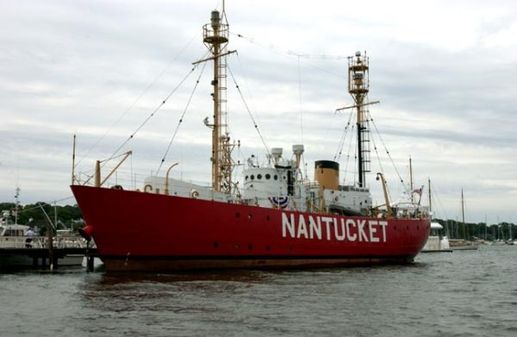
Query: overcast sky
[444, 71]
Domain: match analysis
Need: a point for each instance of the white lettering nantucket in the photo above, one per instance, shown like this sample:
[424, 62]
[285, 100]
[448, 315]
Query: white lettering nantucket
[315, 227]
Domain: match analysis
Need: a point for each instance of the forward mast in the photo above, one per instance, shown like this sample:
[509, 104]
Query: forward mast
[215, 37]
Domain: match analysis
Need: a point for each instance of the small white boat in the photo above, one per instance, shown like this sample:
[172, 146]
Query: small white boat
[437, 242]
[18, 244]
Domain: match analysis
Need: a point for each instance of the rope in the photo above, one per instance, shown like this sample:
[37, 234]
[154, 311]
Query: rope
[149, 86]
[289, 52]
[249, 112]
[354, 171]
[49, 204]
[379, 160]
[152, 114]
[300, 99]
[438, 203]
[181, 118]
[341, 143]
[377, 154]
[388, 153]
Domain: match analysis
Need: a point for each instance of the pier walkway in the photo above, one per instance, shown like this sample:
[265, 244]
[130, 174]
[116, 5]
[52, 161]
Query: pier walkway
[36, 252]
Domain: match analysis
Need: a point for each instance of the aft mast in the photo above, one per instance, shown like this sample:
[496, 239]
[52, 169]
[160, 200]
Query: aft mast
[358, 87]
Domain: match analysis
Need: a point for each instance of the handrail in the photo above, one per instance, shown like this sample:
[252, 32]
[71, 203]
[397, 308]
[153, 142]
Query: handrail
[41, 242]
[167, 178]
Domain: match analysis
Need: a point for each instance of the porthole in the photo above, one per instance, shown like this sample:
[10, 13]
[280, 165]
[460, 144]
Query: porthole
[268, 176]
[246, 178]
[259, 176]
[252, 177]
[275, 177]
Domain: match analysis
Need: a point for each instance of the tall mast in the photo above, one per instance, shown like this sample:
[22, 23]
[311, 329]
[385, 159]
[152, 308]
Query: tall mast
[411, 179]
[358, 87]
[16, 205]
[215, 37]
[73, 162]
[463, 214]
[430, 196]
[462, 208]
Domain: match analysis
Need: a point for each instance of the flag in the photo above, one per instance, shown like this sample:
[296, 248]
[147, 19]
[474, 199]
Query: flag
[417, 191]
[281, 202]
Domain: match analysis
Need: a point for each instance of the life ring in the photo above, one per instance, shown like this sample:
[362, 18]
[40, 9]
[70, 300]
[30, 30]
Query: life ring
[194, 194]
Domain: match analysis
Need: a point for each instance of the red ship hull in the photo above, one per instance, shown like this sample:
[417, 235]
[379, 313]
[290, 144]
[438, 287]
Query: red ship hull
[137, 231]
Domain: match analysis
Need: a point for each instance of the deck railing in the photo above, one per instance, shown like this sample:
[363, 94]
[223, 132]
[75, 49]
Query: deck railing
[59, 242]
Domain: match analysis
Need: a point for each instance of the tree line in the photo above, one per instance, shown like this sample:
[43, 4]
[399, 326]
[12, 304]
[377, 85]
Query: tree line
[64, 217]
[472, 231]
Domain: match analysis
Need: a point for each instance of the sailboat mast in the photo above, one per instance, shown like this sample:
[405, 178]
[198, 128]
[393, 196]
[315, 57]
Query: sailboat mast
[411, 180]
[463, 214]
[16, 205]
[462, 208]
[73, 162]
[358, 87]
[430, 198]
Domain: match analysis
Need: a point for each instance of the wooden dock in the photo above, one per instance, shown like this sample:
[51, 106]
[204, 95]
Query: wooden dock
[36, 252]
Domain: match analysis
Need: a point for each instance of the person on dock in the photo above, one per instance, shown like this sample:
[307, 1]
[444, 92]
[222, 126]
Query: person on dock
[29, 233]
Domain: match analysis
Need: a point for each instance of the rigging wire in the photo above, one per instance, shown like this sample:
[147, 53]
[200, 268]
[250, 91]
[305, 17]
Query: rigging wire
[181, 118]
[349, 149]
[438, 202]
[139, 97]
[300, 98]
[341, 143]
[381, 168]
[305, 56]
[162, 103]
[289, 52]
[249, 112]
[377, 154]
[356, 159]
[50, 203]
[388, 153]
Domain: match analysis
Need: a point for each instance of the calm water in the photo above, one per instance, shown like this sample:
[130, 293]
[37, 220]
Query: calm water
[465, 293]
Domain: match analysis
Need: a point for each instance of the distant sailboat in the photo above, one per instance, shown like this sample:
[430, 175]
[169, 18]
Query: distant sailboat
[463, 244]
[510, 236]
